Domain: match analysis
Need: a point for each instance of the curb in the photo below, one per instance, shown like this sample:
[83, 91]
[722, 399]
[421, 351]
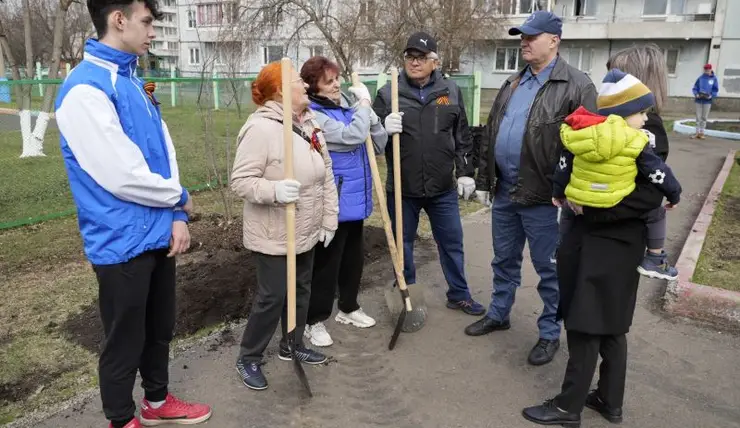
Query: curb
[680, 127]
[701, 302]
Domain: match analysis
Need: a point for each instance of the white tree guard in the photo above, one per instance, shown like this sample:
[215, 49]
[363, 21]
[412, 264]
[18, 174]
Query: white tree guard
[32, 147]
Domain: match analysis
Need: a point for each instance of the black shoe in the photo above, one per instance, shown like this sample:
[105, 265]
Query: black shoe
[543, 352]
[305, 355]
[251, 374]
[594, 402]
[486, 325]
[549, 414]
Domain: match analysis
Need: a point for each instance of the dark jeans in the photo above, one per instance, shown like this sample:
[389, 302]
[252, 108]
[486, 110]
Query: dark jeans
[584, 350]
[137, 307]
[271, 303]
[337, 266]
[444, 216]
[513, 226]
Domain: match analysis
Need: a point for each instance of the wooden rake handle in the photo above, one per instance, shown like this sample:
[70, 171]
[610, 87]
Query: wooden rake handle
[287, 77]
[378, 185]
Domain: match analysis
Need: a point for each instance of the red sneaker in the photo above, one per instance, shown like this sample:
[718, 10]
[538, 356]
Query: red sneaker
[174, 411]
[133, 424]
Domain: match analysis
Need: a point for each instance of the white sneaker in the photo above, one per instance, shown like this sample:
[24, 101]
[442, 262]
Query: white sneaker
[357, 318]
[318, 335]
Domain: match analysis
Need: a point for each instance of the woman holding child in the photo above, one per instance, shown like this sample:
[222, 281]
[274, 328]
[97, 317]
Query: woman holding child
[597, 264]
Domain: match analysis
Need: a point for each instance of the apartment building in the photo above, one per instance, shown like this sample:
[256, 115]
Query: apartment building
[165, 49]
[690, 33]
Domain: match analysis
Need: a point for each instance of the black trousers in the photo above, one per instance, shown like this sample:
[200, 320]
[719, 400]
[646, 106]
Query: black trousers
[137, 307]
[337, 266]
[271, 303]
[584, 350]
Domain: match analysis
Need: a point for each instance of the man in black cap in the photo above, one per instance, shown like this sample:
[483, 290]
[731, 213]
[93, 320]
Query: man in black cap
[517, 164]
[436, 162]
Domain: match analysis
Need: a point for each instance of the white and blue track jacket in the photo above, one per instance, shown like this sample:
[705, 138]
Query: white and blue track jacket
[119, 158]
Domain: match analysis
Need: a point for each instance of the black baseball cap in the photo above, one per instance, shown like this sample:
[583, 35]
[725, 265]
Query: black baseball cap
[539, 22]
[422, 42]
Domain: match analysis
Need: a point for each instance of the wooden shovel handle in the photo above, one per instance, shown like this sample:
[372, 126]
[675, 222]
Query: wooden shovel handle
[397, 169]
[380, 193]
[287, 77]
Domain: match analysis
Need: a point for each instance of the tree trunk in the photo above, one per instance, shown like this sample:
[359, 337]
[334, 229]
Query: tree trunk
[30, 148]
[42, 121]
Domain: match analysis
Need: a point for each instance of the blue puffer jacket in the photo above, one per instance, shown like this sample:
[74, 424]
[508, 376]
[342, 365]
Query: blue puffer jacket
[706, 84]
[351, 166]
[119, 158]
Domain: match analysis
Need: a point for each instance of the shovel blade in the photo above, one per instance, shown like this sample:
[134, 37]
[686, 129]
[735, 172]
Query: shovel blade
[297, 366]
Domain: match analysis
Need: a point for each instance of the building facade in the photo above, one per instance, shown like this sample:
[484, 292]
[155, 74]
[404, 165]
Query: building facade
[165, 49]
[690, 32]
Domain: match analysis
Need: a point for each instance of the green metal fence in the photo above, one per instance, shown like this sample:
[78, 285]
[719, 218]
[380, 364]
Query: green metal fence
[204, 116]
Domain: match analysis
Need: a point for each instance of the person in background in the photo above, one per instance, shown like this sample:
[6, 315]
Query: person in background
[436, 162]
[131, 209]
[644, 62]
[516, 167]
[705, 91]
[259, 178]
[346, 124]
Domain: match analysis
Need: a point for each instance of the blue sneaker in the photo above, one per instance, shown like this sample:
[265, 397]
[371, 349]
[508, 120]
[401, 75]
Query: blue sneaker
[251, 374]
[469, 306]
[656, 266]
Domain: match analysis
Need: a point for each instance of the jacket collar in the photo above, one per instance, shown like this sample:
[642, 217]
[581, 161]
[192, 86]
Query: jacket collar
[559, 72]
[116, 61]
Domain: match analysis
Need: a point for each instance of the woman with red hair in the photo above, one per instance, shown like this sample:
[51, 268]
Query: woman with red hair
[258, 177]
[346, 124]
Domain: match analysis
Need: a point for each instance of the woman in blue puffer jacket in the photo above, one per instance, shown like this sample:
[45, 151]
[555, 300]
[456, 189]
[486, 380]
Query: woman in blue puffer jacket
[345, 124]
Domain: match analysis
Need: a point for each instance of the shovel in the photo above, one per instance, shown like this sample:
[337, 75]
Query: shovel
[406, 311]
[287, 77]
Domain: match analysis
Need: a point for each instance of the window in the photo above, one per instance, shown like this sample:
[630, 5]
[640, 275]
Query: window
[507, 59]
[315, 51]
[367, 11]
[191, 18]
[663, 7]
[366, 56]
[271, 54]
[168, 18]
[215, 13]
[170, 31]
[579, 58]
[671, 60]
[153, 45]
[520, 7]
[585, 7]
[169, 3]
[194, 56]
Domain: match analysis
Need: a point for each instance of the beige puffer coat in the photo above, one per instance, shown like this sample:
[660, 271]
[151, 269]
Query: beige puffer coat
[259, 164]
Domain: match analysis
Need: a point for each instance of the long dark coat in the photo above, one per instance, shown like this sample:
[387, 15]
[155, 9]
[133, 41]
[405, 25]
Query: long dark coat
[598, 259]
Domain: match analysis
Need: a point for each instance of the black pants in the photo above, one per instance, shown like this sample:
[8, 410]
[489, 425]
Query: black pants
[337, 266]
[584, 350]
[137, 307]
[271, 303]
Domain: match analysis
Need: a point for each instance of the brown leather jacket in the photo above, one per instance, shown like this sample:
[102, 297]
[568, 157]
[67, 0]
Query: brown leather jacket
[566, 90]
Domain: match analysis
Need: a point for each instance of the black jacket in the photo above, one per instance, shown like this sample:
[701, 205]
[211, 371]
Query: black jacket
[436, 143]
[598, 258]
[566, 90]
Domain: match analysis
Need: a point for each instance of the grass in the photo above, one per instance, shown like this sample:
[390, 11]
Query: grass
[719, 263]
[719, 126]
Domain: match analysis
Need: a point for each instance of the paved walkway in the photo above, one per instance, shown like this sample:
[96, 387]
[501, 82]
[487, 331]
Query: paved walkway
[680, 374]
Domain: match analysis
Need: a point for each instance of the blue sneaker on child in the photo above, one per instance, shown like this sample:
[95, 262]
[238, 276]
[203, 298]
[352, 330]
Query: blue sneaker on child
[656, 266]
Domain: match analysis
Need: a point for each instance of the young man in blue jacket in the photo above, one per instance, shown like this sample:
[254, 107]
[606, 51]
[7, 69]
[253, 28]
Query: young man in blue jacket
[132, 211]
[705, 90]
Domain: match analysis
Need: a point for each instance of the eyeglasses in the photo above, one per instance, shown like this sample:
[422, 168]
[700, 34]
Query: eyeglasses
[411, 58]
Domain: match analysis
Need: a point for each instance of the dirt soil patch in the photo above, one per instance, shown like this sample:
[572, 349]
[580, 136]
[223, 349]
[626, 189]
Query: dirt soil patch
[724, 126]
[216, 279]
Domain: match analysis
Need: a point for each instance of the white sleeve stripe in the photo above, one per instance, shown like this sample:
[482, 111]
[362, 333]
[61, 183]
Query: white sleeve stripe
[89, 122]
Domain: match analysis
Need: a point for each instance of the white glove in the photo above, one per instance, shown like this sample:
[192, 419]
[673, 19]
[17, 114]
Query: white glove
[361, 92]
[374, 119]
[286, 191]
[394, 123]
[482, 197]
[326, 236]
[651, 137]
[465, 187]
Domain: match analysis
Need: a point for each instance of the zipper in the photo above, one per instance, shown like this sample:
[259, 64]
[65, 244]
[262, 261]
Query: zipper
[141, 91]
[364, 179]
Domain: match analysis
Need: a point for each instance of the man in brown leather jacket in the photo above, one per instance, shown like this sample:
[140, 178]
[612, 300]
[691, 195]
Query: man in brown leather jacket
[516, 166]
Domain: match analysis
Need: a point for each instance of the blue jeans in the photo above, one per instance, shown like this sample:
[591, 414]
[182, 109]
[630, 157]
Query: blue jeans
[513, 224]
[444, 216]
